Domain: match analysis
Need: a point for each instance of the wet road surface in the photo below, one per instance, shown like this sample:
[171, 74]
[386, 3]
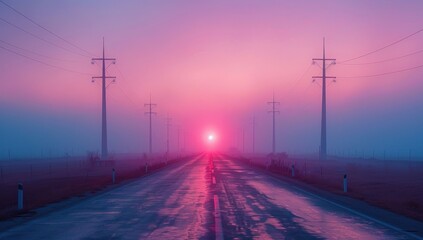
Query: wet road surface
[258, 206]
[204, 199]
[173, 203]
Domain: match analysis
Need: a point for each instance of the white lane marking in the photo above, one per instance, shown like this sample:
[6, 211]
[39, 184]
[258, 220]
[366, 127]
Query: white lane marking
[217, 219]
[387, 225]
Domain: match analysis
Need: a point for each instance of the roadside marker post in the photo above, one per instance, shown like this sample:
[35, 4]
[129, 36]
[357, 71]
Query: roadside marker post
[345, 183]
[113, 175]
[20, 196]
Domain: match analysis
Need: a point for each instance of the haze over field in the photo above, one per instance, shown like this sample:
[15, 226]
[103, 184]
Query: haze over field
[212, 67]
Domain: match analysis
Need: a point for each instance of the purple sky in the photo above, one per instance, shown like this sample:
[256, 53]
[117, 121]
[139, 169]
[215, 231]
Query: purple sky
[212, 66]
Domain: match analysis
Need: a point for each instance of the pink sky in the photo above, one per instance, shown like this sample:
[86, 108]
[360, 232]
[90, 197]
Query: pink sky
[213, 65]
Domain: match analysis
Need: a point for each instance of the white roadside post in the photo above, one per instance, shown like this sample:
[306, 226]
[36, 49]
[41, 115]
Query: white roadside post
[345, 183]
[146, 167]
[113, 176]
[292, 170]
[20, 196]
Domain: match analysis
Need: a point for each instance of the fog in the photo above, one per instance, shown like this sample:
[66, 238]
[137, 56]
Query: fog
[212, 67]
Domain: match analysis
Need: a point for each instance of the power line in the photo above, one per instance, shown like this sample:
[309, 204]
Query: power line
[124, 92]
[39, 61]
[386, 60]
[47, 30]
[33, 52]
[382, 48]
[297, 80]
[386, 73]
[40, 38]
[128, 97]
[124, 78]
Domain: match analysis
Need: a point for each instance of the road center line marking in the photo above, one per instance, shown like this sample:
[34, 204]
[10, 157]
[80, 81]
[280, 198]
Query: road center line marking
[217, 219]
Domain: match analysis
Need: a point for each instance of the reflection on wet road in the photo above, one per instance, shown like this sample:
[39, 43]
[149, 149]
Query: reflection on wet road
[203, 199]
[171, 204]
[258, 206]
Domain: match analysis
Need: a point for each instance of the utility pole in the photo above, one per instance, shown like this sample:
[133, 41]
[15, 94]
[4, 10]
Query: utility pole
[254, 134]
[103, 77]
[150, 113]
[323, 149]
[168, 120]
[274, 111]
[184, 132]
[243, 140]
[179, 130]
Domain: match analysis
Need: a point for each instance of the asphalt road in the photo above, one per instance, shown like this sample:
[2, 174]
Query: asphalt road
[256, 205]
[204, 199]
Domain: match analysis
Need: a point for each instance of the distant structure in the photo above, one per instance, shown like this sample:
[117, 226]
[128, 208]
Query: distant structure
[323, 147]
[254, 134]
[150, 113]
[168, 125]
[243, 140]
[104, 85]
[184, 139]
[179, 131]
[274, 111]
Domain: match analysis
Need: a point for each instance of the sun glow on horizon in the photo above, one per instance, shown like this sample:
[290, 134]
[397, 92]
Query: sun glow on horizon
[210, 138]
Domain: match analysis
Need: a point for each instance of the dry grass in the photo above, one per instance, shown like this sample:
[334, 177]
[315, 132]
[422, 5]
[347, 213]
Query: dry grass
[51, 181]
[394, 185]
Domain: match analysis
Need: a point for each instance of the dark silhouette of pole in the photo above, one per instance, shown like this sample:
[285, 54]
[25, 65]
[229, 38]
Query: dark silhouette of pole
[179, 130]
[168, 125]
[150, 113]
[103, 77]
[186, 134]
[274, 111]
[323, 147]
[185, 138]
[243, 140]
[254, 134]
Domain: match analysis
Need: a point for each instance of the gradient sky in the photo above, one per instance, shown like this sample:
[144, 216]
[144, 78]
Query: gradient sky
[212, 66]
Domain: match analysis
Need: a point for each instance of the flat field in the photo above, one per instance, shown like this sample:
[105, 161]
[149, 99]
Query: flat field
[393, 185]
[50, 180]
